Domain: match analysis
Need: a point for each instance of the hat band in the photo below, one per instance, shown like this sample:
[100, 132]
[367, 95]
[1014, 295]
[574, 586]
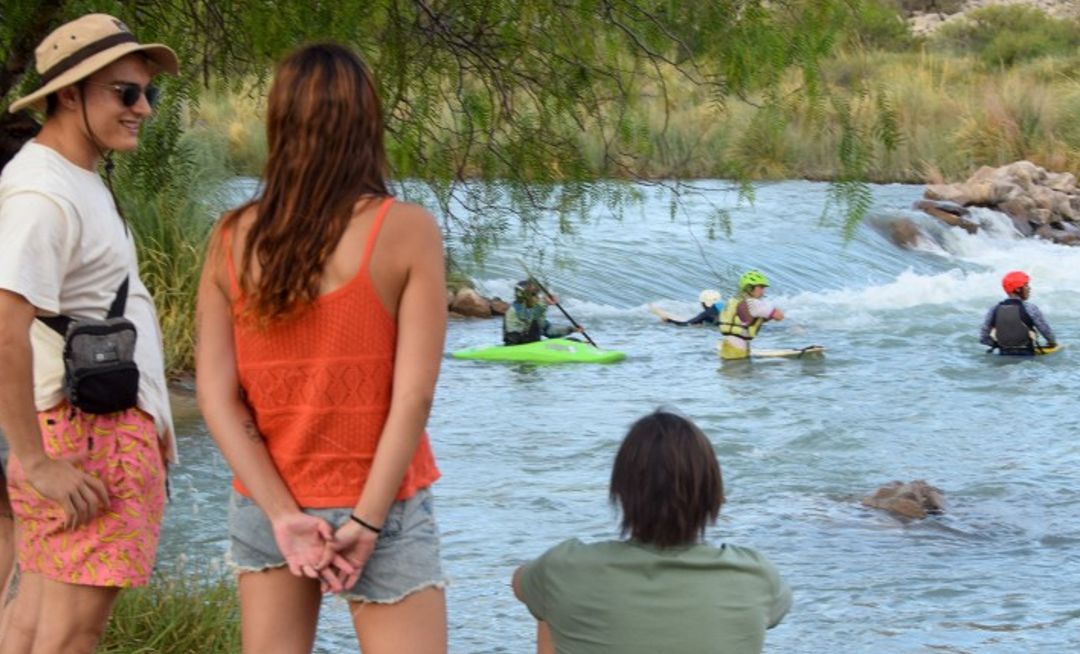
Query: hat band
[84, 53]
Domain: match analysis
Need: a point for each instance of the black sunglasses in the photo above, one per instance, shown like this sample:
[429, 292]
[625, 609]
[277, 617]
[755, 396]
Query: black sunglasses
[130, 92]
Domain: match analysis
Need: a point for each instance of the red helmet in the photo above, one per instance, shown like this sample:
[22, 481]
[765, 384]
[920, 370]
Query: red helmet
[1014, 281]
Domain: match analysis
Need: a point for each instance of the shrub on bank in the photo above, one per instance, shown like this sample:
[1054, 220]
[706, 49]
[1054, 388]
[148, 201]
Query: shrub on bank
[1005, 35]
[177, 613]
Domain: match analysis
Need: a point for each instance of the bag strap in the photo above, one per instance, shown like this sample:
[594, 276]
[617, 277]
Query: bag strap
[60, 324]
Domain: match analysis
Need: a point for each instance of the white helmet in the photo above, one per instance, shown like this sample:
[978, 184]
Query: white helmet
[709, 297]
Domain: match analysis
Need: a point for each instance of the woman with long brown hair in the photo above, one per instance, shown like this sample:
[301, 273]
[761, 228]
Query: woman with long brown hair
[321, 323]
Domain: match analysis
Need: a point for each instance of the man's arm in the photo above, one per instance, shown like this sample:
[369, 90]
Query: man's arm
[704, 316]
[81, 495]
[988, 324]
[1041, 324]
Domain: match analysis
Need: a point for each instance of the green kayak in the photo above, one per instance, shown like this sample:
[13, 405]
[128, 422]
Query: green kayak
[552, 350]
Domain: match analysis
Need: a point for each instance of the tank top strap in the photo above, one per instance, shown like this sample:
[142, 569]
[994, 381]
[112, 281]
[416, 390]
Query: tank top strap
[384, 208]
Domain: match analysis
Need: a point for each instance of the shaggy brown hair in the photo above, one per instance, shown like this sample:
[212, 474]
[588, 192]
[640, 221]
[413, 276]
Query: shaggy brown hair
[667, 481]
[324, 132]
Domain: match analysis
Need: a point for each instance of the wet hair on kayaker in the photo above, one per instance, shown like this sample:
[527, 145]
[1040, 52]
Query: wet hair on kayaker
[526, 289]
[666, 481]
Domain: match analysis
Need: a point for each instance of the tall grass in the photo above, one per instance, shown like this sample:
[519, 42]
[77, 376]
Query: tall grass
[233, 120]
[952, 114]
[171, 218]
[178, 613]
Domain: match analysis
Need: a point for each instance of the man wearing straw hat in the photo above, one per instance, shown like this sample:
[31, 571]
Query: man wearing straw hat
[87, 486]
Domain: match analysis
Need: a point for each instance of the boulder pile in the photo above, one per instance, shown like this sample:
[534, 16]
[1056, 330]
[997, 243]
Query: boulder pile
[467, 303]
[1041, 203]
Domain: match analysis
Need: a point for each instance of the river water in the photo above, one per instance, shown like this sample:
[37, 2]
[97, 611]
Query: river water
[905, 392]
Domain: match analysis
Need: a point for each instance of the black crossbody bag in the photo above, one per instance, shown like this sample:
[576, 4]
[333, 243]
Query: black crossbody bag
[100, 373]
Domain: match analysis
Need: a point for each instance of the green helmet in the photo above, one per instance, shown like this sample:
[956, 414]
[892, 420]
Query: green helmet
[752, 278]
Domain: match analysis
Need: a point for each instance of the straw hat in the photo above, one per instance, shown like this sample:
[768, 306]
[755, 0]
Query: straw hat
[82, 47]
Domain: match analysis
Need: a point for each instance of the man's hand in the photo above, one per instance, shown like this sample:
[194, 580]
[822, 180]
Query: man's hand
[82, 496]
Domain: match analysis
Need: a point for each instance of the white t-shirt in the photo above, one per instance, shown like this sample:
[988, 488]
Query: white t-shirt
[64, 248]
[757, 308]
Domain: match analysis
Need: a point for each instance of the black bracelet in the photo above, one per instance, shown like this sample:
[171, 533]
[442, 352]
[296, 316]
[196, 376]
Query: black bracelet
[364, 523]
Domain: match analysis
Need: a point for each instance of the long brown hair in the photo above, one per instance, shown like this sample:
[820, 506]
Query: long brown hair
[324, 131]
[667, 481]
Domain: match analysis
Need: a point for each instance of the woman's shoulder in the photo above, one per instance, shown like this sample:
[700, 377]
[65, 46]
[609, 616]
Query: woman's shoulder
[410, 228]
[409, 215]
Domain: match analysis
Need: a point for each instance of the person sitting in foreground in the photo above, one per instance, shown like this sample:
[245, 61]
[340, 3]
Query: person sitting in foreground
[663, 589]
[1011, 324]
[744, 315]
[711, 305]
[526, 319]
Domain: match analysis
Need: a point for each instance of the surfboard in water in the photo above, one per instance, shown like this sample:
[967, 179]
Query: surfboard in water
[787, 352]
[808, 352]
[1042, 349]
[664, 316]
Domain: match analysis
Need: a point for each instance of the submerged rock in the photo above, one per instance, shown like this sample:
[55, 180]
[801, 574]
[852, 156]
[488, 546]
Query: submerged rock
[915, 499]
[468, 302]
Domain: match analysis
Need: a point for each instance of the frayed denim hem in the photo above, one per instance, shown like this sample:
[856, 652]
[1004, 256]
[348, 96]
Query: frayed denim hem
[357, 597]
[238, 569]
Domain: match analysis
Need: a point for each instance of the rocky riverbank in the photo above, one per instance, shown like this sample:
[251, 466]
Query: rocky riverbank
[1040, 203]
[466, 302]
[925, 23]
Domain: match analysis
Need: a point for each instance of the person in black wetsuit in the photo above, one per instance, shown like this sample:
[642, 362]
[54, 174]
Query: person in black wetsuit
[711, 303]
[1011, 325]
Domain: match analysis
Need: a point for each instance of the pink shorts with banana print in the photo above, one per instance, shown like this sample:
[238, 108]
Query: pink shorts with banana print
[119, 546]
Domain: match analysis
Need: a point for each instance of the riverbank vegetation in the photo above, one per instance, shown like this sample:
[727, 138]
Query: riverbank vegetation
[998, 87]
[178, 613]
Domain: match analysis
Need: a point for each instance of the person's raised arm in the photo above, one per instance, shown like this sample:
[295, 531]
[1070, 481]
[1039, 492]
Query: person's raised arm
[302, 538]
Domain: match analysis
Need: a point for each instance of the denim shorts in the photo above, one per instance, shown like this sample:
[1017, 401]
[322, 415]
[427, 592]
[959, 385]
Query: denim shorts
[405, 560]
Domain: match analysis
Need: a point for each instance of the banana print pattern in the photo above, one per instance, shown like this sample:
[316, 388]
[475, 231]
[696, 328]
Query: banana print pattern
[118, 547]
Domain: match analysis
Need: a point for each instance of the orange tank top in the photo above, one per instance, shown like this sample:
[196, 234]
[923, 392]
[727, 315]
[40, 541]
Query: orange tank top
[320, 385]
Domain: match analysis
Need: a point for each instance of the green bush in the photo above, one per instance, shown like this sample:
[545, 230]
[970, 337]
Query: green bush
[176, 614]
[879, 25]
[1007, 35]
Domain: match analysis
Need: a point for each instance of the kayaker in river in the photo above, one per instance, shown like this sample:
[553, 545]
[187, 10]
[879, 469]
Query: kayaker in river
[526, 319]
[1010, 325]
[744, 315]
[711, 306]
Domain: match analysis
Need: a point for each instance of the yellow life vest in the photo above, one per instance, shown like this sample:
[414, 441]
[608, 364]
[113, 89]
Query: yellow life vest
[732, 325]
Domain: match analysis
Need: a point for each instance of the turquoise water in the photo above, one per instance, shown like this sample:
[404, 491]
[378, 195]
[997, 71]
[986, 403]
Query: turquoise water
[905, 392]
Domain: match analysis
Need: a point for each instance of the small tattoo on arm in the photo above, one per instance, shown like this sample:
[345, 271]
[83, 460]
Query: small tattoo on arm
[252, 432]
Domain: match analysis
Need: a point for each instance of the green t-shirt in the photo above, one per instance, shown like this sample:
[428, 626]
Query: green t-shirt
[628, 598]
